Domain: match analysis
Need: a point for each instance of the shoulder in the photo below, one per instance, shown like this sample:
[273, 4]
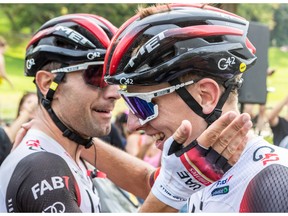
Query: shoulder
[39, 182]
[36, 165]
[40, 160]
[267, 191]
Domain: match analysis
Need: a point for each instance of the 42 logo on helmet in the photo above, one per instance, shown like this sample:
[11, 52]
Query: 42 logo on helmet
[93, 55]
[30, 63]
[224, 63]
[125, 81]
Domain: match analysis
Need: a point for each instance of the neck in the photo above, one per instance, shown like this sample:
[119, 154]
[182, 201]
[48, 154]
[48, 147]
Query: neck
[43, 122]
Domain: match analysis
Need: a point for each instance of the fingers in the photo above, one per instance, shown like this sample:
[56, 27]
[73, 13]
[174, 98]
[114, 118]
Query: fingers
[19, 136]
[232, 136]
[237, 142]
[227, 135]
[210, 136]
[27, 125]
[235, 157]
[183, 132]
[21, 133]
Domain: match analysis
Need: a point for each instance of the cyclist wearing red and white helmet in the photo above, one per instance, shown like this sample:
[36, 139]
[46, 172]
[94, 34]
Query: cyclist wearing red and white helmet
[45, 172]
[184, 61]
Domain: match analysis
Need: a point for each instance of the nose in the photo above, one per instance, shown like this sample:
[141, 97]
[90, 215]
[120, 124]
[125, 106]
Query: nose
[111, 92]
[133, 122]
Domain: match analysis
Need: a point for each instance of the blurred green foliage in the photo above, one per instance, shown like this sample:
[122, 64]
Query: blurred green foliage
[18, 21]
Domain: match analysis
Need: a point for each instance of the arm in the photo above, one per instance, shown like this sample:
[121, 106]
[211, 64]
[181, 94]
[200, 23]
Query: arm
[24, 116]
[273, 115]
[267, 191]
[227, 135]
[132, 144]
[125, 170]
[188, 170]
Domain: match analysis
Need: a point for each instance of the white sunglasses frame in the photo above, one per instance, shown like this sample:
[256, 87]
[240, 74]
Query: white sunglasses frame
[78, 67]
[148, 96]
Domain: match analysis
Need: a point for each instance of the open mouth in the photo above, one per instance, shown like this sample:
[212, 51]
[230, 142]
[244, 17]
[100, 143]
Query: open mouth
[158, 137]
[159, 140]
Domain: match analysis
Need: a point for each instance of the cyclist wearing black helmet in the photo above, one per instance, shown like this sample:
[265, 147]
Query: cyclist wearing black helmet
[184, 61]
[45, 172]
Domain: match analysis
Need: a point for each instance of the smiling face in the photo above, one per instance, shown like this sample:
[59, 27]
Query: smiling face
[172, 110]
[84, 108]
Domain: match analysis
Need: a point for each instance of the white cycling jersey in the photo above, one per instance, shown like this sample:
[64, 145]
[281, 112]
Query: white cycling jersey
[40, 176]
[258, 182]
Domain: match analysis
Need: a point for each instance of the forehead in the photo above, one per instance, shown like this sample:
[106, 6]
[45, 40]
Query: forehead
[137, 88]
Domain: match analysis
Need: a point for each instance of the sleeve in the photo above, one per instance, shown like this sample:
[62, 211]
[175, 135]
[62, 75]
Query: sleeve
[42, 182]
[267, 191]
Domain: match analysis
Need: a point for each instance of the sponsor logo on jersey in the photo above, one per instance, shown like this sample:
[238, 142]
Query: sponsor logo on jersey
[266, 154]
[34, 145]
[56, 207]
[220, 191]
[223, 181]
[185, 177]
[56, 182]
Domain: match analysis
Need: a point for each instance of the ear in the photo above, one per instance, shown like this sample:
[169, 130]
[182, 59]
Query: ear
[43, 80]
[209, 94]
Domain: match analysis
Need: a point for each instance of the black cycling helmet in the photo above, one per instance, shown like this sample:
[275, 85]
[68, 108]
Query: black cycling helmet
[69, 40]
[188, 37]
[181, 39]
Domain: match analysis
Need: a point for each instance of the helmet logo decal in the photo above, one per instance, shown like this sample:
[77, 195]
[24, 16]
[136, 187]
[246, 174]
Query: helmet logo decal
[242, 67]
[125, 81]
[93, 55]
[73, 35]
[30, 63]
[224, 63]
[149, 46]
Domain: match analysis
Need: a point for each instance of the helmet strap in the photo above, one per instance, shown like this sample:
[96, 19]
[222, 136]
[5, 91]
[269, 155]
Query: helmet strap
[46, 102]
[195, 106]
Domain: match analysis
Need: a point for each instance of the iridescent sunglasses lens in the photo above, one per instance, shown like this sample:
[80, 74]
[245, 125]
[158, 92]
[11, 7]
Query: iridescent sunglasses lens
[141, 108]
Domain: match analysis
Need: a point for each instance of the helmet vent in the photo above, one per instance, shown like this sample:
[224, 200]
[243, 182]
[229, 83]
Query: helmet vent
[214, 39]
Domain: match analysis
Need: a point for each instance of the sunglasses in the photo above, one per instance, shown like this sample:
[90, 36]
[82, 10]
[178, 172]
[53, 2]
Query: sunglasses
[141, 104]
[92, 75]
